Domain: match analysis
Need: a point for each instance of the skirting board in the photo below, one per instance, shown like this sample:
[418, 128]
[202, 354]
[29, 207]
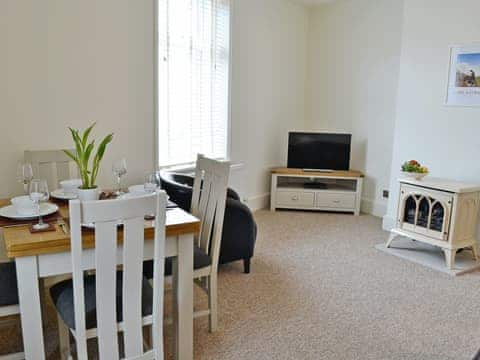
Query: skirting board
[258, 202]
[373, 207]
[430, 256]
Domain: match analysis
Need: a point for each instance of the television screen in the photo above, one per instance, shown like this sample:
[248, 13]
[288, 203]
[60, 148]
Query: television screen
[322, 151]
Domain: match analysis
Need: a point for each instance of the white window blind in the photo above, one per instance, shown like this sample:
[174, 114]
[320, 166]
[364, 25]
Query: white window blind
[192, 79]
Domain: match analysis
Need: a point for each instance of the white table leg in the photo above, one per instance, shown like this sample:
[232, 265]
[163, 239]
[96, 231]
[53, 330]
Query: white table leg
[175, 302]
[184, 298]
[30, 308]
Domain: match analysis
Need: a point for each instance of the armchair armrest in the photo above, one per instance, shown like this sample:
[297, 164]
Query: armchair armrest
[239, 232]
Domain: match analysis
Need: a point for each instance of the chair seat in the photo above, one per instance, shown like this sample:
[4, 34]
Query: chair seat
[200, 260]
[62, 296]
[8, 284]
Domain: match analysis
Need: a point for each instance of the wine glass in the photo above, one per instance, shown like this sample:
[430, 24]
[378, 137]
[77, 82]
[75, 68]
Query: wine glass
[24, 174]
[150, 184]
[119, 169]
[38, 191]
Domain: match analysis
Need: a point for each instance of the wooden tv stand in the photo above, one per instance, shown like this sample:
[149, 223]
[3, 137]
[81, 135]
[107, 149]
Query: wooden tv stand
[310, 190]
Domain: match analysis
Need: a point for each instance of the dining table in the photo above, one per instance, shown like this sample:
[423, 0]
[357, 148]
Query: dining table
[47, 254]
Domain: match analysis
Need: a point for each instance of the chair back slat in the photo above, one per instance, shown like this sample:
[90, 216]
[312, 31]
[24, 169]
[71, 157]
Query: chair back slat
[196, 190]
[205, 199]
[52, 165]
[158, 278]
[216, 235]
[208, 203]
[106, 214]
[105, 287]
[208, 212]
[75, 213]
[132, 286]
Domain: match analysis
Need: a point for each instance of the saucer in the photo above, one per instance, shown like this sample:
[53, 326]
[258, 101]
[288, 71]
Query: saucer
[61, 195]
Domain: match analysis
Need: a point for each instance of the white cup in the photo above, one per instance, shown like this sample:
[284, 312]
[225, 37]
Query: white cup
[70, 187]
[24, 205]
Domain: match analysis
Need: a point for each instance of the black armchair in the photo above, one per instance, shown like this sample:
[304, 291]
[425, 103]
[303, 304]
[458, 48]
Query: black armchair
[239, 227]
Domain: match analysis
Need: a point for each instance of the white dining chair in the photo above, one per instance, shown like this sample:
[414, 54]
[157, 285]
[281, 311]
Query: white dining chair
[9, 299]
[8, 293]
[51, 165]
[112, 301]
[208, 204]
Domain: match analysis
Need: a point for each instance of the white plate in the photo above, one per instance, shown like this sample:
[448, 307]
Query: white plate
[60, 194]
[45, 209]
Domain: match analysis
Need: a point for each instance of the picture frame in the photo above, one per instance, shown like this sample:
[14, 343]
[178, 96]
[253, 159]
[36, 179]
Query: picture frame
[463, 87]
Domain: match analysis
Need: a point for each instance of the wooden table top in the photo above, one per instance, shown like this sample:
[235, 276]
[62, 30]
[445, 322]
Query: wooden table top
[326, 174]
[20, 242]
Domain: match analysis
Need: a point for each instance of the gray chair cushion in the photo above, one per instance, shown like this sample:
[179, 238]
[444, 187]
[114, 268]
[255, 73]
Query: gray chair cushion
[62, 296]
[8, 284]
[200, 260]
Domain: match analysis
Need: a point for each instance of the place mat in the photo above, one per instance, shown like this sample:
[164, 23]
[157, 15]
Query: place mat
[108, 195]
[51, 227]
[104, 195]
[12, 222]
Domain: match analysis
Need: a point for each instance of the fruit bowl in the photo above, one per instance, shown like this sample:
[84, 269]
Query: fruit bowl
[414, 175]
[414, 170]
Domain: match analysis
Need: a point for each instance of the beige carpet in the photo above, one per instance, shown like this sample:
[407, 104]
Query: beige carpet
[320, 290]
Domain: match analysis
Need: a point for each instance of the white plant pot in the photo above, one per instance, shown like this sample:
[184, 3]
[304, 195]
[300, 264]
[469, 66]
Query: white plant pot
[88, 194]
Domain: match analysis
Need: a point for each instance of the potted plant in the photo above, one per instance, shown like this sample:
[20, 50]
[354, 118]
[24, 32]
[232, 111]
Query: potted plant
[414, 170]
[88, 171]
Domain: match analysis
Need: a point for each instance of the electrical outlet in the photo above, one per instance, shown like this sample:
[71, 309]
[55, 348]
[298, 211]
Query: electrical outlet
[385, 194]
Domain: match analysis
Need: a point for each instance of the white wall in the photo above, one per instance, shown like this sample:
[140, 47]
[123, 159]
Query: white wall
[354, 57]
[268, 88]
[67, 63]
[445, 138]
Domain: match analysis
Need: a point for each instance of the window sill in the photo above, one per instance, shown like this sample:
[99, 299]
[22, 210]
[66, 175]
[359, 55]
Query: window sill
[190, 168]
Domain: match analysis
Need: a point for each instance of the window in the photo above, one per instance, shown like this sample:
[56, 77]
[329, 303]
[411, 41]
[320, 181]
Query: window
[192, 79]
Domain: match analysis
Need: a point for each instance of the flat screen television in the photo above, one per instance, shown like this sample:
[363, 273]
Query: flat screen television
[319, 151]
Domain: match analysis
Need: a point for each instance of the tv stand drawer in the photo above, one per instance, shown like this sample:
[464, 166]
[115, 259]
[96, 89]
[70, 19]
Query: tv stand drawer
[296, 198]
[335, 200]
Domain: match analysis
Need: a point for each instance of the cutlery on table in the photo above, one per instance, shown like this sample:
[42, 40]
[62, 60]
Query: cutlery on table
[63, 225]
[15, 225]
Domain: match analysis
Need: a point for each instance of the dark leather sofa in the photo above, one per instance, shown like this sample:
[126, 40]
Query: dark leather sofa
[239, 227]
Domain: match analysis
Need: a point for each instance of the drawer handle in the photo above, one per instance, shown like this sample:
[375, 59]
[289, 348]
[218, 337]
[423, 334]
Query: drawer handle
[295, 197]
[336, 201]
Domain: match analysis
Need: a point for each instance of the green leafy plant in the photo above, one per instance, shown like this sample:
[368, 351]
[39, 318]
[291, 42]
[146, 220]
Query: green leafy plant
[414, 166]
[84, 149]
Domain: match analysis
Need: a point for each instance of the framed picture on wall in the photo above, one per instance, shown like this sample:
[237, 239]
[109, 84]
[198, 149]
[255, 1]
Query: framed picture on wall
[464, 76]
